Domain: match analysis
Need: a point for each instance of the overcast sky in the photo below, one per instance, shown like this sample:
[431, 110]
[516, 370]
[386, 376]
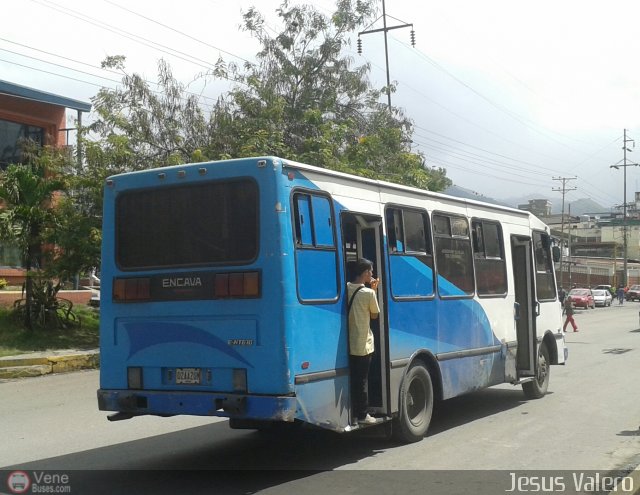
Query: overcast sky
[505, 94]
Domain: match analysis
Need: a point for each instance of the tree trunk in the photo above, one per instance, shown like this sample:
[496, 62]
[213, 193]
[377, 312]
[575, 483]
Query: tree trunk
[29, 293]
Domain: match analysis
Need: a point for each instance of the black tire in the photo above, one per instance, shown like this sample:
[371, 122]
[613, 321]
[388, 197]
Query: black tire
[416, 405]
[536, 389]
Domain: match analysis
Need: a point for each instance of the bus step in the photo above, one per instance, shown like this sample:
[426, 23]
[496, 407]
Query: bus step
[361, 426]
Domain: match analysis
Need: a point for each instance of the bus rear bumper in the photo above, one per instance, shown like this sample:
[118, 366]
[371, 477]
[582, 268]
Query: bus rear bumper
[141, 402]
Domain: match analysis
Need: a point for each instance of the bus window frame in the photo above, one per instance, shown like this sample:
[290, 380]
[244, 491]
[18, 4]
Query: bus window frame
[450, 215]
[549, 254]
[428, 243]
[313, 247]
[482, 221]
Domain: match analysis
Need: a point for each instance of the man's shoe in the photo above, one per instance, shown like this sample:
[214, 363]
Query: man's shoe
[367, 420]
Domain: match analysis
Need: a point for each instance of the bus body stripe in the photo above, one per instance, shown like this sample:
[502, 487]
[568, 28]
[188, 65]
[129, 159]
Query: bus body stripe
[149, 333]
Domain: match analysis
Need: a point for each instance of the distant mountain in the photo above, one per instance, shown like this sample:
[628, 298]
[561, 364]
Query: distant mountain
[514, 201]
[582, 206]
[461, 192]
[578, 207]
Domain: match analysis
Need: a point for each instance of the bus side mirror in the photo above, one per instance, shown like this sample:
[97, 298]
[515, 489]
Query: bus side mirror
[555, 252]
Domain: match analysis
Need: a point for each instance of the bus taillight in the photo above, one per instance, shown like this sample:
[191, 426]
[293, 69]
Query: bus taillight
[251, 284]
[246, 284]
[131, 289]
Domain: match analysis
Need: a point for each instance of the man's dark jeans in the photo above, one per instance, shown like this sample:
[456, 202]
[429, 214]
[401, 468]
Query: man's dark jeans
[360, 384]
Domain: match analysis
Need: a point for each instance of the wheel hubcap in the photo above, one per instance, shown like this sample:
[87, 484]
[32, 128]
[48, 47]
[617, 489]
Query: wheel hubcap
[542, 369]
[416, 400]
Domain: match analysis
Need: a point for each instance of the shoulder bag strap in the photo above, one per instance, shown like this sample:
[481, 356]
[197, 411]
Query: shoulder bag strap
[351, 300]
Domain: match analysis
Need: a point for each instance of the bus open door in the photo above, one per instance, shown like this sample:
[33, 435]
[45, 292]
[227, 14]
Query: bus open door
[362, 238]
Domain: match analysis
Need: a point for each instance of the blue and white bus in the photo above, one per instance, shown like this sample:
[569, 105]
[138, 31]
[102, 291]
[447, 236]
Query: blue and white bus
[224, 294]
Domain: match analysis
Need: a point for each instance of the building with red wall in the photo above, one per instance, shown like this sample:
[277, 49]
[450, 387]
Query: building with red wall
[27, 113]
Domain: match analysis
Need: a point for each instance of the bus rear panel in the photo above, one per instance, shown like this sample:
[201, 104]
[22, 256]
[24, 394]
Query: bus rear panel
[191, 318]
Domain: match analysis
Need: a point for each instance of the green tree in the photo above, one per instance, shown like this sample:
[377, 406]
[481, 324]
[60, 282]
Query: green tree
[28, 214]
[77, 236]
[304, 99]
[142, 128]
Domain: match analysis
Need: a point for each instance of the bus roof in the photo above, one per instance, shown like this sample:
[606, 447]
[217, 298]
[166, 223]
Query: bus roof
[401, 187]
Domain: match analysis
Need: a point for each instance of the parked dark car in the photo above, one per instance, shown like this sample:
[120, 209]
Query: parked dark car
[582, 298]
[633, 294]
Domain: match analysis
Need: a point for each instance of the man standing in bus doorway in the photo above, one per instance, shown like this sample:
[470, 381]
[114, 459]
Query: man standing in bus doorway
[363, 307]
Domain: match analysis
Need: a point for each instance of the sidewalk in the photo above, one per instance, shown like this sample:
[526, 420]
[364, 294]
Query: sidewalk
[46, 362]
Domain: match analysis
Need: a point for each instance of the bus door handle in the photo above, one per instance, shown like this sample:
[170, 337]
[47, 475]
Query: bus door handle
[516, 311]
[537, 308]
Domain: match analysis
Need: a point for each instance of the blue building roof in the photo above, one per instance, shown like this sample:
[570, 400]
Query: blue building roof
[8, 88]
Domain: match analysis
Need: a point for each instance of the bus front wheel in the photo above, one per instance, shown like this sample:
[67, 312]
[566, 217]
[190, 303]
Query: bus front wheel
[537, 388]
[416, 405]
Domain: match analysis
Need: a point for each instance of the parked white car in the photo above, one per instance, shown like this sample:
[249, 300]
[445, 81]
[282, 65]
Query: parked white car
[602, 297]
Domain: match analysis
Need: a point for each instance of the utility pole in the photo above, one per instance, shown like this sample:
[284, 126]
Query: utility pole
[564, 190]
[569, 248]
[624, 166]
[386, 29]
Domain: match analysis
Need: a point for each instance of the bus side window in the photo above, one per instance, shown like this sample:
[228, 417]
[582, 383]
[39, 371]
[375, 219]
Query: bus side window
[395, 234]
[416, 232]
[411, 260]
[322, 224]
[316, 260]
[303, 220]
[488, 251]
[545, 285]
[454, 258]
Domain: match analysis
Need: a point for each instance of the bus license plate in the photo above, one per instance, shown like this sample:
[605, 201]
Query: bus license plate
[188, 376]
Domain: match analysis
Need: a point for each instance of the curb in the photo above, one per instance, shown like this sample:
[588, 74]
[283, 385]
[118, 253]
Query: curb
[38, 364]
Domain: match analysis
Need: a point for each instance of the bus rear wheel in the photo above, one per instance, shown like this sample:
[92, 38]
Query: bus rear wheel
[537, 388]
[416, 405]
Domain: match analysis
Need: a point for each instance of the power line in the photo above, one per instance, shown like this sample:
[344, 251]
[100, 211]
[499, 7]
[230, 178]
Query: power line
[88, 65]
[522, 120]
[178, 31]
[484, 174]
[131, 36]
[538, 166]
[468, 121]
[478, 159]
[61, 66]
[52, 73]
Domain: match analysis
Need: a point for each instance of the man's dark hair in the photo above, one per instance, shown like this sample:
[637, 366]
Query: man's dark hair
[363, 266]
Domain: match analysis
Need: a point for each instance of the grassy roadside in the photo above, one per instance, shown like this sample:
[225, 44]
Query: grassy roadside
[14, 339]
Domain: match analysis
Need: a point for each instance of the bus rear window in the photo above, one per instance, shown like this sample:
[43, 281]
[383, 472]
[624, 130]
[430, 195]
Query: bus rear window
[187, 225]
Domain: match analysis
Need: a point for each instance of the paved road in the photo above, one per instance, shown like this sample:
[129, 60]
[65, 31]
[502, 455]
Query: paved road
[589, 420]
